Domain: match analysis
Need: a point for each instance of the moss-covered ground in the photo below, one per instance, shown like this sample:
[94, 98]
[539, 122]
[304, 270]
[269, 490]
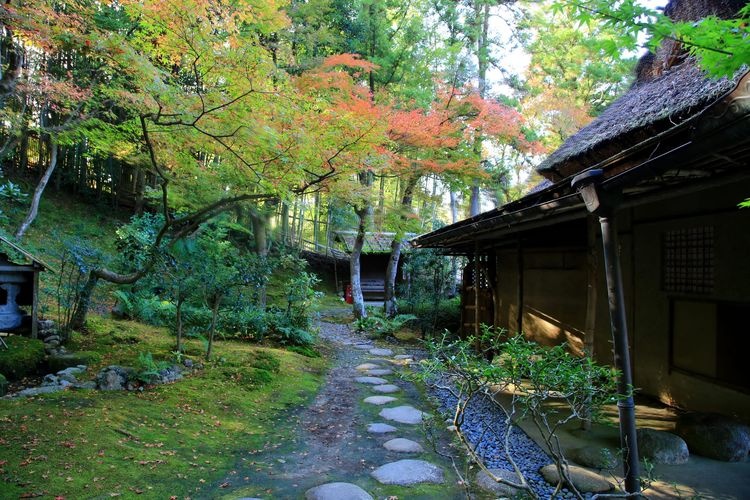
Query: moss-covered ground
[170, 441]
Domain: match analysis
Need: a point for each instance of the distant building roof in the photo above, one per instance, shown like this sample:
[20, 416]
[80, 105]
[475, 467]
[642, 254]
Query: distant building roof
[375, 242]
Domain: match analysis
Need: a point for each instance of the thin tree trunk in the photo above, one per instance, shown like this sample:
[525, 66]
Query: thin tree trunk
[390, 305]
[178, 313]
[260, 233]
[454, 260]
[34, 209]
[284, 223]
[316, 222]
[212, 330]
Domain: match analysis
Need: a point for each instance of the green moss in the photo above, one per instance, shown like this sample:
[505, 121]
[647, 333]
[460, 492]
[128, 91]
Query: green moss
[173, 440]
[22, 358]
[62, 361]
[304, 351]
[3, 385]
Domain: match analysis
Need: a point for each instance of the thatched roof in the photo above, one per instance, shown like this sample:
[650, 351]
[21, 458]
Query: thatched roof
[28, 256]
[374, 242]
[669, 90]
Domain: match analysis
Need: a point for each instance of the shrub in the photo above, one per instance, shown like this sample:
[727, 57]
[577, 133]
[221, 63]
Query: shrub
[22, 358]
[433, 317]
[377, 325]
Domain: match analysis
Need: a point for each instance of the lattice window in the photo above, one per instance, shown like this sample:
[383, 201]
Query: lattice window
[689, 260]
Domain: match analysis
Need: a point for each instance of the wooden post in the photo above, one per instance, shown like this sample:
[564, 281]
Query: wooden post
[35, 306]
[589, 328]
[519, 288]
[476, 291]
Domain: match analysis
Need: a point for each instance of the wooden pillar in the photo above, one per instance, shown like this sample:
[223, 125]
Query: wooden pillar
[35, 306]
[476, 290]
[519, 288]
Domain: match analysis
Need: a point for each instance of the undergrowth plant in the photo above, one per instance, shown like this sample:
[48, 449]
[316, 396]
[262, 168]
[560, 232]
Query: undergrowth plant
[377, 325]
[548, 386]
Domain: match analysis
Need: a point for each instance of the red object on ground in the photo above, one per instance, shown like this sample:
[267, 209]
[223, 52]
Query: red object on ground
[348, 295]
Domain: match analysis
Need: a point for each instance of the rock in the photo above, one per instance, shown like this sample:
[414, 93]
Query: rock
[379, 428]
[337, 491]
[403, 414]
[52, 338]
[50, 379]
[485, 482]
[379, 372]
[168, 375]
[714, 436]
[45, 325]
[386, 388]
[371, 380]
[71, 374]
[114, 378]
[401, 445]
[364, 347]
[86, 385]
[584, 480]
[662, 447]
[594, 457]
[187, 363]
[367, 366]
[35, 391]
[381, 352]
[451, 428]
[403, 356]
[407, 472]
[379, 400]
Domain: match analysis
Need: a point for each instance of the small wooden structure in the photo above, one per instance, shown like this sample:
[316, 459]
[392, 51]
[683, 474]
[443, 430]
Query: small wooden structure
[374, 259]
[19, 286]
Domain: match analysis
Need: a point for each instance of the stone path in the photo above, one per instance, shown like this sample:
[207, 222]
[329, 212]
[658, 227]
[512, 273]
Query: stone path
[352, 440]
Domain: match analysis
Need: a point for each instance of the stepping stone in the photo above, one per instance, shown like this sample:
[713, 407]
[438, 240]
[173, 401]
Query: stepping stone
[337, 491]
[379, 400]
[381, 352]
[584, 480]
[408, 472]
[403, 356]
[364, 347]
[403, 414]
[485, 482]
[402, 445]
[386, 388]
[379, 428]
[378, 372]
[371, 380]
[366, 366]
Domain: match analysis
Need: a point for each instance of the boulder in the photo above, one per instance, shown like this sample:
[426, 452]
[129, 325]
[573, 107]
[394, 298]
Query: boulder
[584, 480]
[36, 391]
[594, 457]
[50, 379]
[114, 378]
[487, 483]
[337, 491]
[408, 472]
[662, 447]
[714, 436]
[71, 374]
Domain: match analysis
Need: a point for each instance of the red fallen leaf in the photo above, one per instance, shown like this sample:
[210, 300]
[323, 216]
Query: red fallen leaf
[59, 497]
[3, 462]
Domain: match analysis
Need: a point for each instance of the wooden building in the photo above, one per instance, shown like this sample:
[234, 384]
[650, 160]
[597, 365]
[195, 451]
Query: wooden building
[19, 286]
[376, 252]
[675, 155]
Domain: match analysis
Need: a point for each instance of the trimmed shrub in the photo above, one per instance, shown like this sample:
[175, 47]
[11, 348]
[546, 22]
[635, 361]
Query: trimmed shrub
[22, 358]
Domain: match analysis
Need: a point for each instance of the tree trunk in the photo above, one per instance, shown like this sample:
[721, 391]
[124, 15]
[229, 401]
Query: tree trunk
[260, 233]
[34, 209]
[316, 222]
[212, 330]
[355, 264]
[83, 301]
[178, 314]
[474, 204]
[284, 223]
[454, 260]
[391, 271]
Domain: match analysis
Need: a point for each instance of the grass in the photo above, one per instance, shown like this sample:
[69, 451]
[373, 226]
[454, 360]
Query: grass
[171, 440]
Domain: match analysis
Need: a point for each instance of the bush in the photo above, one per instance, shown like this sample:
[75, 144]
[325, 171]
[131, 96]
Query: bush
[22, 358]
[433, 317]
[377, 325]
[3, 385]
